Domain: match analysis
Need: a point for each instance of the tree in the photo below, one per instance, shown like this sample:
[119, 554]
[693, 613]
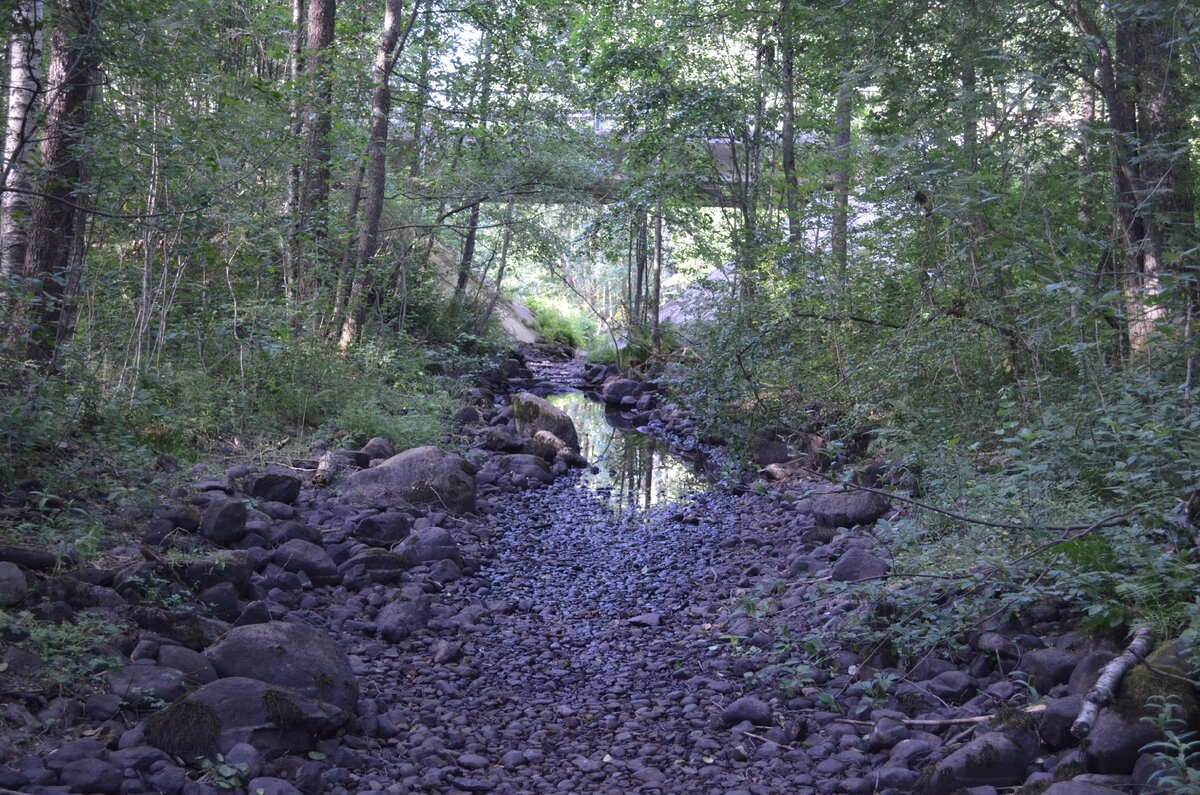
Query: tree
[25, 93]
[381, 108]
[56, 219]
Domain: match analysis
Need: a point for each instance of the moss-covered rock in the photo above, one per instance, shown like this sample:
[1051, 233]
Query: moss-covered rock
[186, 729]
[275, 720]
[421, 476]
[533, 414]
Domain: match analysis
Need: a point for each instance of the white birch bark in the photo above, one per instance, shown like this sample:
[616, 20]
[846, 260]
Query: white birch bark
[25, 92]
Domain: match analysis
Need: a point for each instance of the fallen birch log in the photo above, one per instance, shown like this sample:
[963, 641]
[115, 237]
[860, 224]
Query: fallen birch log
[1104, 692]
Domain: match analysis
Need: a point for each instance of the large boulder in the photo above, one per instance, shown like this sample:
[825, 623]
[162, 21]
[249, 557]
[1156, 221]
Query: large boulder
[533, 414]
[224, 522]
[13, 585]
[848, 508]
[275, 720]
[990, 760]
[382, 530]
[858, 564]
[616, 390]
[524, 465]
[292, 655]
[275, 487]
[375, 565]
[313, 560]
[420, 476]
[428, 546]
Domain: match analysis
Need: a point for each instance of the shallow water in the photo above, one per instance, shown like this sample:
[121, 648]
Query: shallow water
[636, 470]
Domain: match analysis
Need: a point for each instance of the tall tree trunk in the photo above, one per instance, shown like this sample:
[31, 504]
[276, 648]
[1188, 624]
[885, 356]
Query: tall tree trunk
[1153, 207]
[791, 185]
[314, 197]
[467, 260]
[292, 216]
[381, 108]
[840, 231]
[25, 90]
[656, 286]
[55, 222]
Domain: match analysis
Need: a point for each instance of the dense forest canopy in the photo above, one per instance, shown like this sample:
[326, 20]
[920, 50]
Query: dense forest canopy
[960, 232]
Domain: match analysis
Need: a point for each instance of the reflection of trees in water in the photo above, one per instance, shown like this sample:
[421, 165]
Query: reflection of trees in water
[638, 469]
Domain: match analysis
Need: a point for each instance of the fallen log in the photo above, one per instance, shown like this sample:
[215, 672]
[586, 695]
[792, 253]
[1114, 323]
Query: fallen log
[29, 558]
[1104, 692]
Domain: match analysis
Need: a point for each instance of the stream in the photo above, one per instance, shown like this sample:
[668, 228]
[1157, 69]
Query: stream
[634, 470]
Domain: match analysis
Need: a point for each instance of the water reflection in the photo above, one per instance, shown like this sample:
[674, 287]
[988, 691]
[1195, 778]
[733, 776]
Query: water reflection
[637, 470]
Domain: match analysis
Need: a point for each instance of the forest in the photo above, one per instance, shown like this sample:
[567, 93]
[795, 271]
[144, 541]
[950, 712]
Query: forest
[942, 249]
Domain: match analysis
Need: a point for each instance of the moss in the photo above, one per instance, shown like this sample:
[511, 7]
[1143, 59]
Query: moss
[911, 703]
[1009, 719]
[282, 710]
[1069, 771]
[186, 729]
[986, 756]
[323, 680]
[1141, 684]
[1036, 788]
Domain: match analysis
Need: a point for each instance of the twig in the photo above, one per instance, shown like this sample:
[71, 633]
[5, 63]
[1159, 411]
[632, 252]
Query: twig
[926, 723]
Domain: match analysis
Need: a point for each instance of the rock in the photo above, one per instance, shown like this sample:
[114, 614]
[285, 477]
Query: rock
[421, 476]
[531, 467]
[195, 632]
[1146, 773]
[376, 565]
[92, 776]
[248, 756]
[378, 447]
[546, 446]
[1054, 727]
[146, 685]
[991, 759]
[268, 785]
[1047, 667]
[886, 733]
[399, 619]
[275, 487]
[283, 532]
[426, 546]
[309, 558]
[1115, 742]
[997, 645]
[646, 620]
[467, 415]
[231, 566]
[859, 564]
[297, 656]
[767, 448]
[747, 708]
[532, 414]
[273, 719]
[503, 439]
[13, 586]
[224, 522]
[1079, 788]
[953, 687]
[383, 530]
[1087, 671]
[194, 666]
[616, 390]
[848, 508]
